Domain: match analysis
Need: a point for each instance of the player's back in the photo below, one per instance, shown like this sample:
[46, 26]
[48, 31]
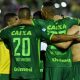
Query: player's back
[23, 43]
[56, 56]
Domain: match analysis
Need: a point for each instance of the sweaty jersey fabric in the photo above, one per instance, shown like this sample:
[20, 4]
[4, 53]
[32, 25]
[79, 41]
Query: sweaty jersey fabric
[54, 55]
[4, 59]
[58, 73]
[22, 40]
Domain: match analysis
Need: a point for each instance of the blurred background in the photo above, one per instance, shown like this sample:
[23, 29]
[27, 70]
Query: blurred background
[64, 7]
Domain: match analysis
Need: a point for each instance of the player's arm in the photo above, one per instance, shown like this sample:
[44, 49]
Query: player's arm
[69, 37]
[62, 38]
[73, 30]
[78, 38]
[57, 37]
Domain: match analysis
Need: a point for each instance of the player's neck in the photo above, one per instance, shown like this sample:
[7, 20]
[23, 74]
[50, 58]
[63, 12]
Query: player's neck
[25, 21]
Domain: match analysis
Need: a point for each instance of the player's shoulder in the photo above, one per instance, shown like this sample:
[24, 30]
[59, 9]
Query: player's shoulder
[69, 19]
[5, 28]
[26, 26]
[39, 20]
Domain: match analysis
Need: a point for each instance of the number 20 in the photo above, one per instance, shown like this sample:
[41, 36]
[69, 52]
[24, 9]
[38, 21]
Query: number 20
[25, 42]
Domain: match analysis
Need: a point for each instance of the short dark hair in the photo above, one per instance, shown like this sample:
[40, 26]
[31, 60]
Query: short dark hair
[37, 15]
[24, 12]
[7, 17]
[49, 8]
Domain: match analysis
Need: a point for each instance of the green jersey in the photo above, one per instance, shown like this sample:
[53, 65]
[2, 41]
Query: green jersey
[22, 41]
[54, 55]
[41, 69]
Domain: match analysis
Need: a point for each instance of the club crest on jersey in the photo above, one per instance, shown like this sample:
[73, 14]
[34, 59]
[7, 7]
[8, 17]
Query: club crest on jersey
[21, 33]
[43, 29]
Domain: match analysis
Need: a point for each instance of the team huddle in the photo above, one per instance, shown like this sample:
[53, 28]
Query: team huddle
[20, 46]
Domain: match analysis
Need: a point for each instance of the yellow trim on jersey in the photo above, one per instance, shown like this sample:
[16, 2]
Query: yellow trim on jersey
[4, 59]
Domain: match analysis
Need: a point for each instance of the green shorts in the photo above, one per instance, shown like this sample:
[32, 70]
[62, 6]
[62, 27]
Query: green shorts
[4, 77]
[76, 70]
[58, 73]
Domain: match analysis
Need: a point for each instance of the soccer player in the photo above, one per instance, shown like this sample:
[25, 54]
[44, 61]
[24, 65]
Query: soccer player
[9, 19]
[47, 21]
[37, 15]
[58, 61]
[24, 57]
[73, 21]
